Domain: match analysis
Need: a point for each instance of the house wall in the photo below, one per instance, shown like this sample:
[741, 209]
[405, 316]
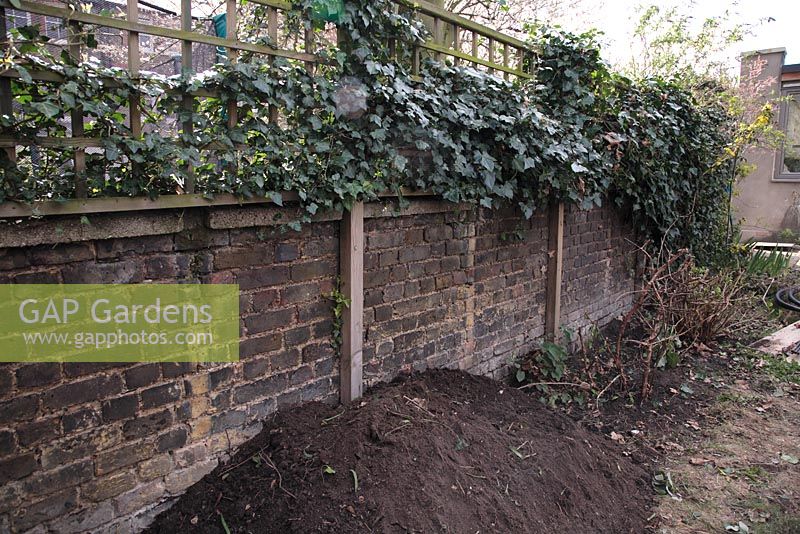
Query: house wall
[764, 206]
[105, 447]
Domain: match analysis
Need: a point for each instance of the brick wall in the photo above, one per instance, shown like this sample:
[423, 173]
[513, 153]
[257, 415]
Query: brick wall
[103, 446]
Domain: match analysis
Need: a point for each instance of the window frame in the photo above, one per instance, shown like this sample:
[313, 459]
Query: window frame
[787, 93]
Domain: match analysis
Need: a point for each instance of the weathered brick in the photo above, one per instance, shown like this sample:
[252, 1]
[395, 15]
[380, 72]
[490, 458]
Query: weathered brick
[301, 375]
[252, 256]
[37, 431]
[87, 518]
[80, 420]
[79, 446]
[192, 408]
[267, 321]
[142, 375]
[38, 374]
[196, 384]
[49, 276]
[75, 369]
[176, 369]
[268, 298]
[285, 359]
[200, 428]
[297, 336]
[139, 497]
[255, 368]
[260, 345]
[16, 467]
[174, 439]
[201, 237]
[18, 408]
[178, 481]
[6, 381]
[263, 277]
[13, 258]
[123, 407]
[54, 506]
[286, 252]
[266, 387]
[114, 248]
[104, 488]
[46, 482]
[91, 389]
[155, 467]
[161, 395]
[8, 443]
[220, 377]
[110, 461]
[227, 420]
[61, 254]
[146, 425]
[124, 272]
[317, 351]
[313, 269]
[299, 293]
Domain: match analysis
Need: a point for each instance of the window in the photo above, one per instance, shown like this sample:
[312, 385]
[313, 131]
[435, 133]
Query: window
[17, 19]
[789, 155]
[55, 28]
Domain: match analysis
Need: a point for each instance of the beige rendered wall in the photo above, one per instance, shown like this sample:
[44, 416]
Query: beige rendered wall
[760, 203]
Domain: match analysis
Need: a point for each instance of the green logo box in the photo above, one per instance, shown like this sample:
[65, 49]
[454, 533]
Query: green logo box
[119, 323]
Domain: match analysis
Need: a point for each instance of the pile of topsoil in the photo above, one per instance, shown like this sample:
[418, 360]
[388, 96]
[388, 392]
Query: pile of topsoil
[441, 451]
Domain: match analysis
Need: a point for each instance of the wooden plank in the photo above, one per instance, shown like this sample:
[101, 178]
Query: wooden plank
[456, 43]
[555, 268]
[505, 61]
[474, 59]
[76, 115]
[188, 101]
[6, 97]
[12, 209]
[272, 32]
[430, 9]
[134, 63]
[491, 55]
[159, 31]
[352, 273]
[231, 28]
[437, 37]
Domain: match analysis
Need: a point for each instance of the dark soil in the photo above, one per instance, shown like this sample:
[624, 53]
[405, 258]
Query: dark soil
[441, 451]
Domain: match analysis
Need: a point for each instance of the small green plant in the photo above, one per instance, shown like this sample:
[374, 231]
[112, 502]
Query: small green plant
[767, 262]
[340, 304]
[788, 235]
[545, 369]
[355, 480]
[328, 470]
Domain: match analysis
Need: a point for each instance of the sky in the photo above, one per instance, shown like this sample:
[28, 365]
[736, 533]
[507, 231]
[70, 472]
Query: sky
[617, 19]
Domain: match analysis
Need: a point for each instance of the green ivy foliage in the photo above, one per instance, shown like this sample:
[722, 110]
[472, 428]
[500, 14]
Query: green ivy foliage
[361, 125]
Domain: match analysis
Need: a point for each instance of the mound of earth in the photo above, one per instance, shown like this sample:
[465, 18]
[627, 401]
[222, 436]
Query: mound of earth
[441, 451]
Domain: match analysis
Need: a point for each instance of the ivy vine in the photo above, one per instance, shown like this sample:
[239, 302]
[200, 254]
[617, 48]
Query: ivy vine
[360, 125]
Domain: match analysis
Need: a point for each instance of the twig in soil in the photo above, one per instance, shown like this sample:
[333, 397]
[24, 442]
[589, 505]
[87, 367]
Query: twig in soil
[401, 427]
[228, 470]
[532, 384]
[269, 461]
[329, 419]
[418, 406]
[603, 391]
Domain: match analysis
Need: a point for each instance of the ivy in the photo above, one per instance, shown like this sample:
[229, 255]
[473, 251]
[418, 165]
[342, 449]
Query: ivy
[360, 125]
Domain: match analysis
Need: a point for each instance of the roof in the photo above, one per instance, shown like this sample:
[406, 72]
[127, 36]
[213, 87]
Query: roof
[791, 68]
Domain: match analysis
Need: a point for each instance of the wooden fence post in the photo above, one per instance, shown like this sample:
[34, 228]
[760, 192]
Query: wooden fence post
[351, 259]
[555, 267]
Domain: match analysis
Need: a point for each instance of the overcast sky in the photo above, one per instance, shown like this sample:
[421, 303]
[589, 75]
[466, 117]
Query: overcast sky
[617, 18]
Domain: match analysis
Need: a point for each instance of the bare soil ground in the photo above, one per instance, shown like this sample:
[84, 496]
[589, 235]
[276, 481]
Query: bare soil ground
[441, 451]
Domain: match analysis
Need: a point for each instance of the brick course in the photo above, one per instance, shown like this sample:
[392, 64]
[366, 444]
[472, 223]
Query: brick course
[444, 287]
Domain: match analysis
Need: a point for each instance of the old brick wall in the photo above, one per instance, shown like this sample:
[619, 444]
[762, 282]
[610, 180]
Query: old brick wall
[104, 446]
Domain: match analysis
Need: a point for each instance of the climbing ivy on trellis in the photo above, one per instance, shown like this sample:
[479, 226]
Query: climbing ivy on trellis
[360, 126]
